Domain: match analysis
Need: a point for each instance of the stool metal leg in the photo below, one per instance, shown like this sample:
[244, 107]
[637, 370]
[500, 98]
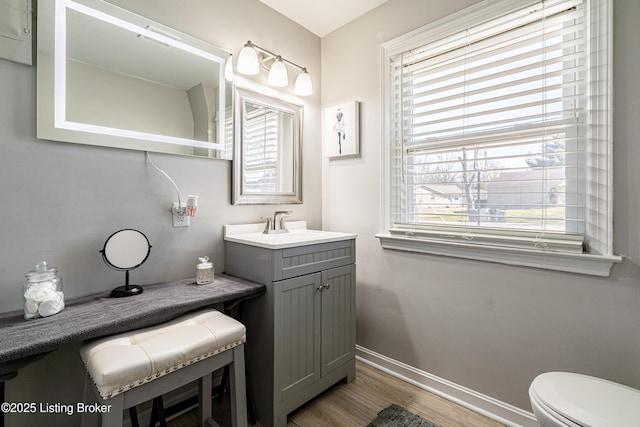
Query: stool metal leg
[238, 389]
[204, 398]
[157, 412]
[87, 419]
[133, 416]
[113, 417]
[223, 384]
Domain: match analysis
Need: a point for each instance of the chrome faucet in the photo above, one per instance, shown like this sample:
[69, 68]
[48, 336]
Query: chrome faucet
[279, 220]
[267, 226]
[278, 224]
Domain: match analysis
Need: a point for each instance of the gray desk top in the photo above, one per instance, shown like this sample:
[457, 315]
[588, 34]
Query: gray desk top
[24, 341]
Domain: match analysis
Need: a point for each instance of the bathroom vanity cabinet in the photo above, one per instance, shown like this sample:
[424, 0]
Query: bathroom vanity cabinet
[301, 333]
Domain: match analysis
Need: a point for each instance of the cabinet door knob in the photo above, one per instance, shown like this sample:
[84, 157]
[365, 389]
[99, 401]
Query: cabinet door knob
[323, 287]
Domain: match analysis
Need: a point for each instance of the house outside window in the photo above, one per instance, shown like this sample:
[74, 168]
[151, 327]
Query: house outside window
[498, 139]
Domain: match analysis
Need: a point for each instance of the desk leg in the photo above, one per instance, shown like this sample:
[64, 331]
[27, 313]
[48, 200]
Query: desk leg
[3, 378]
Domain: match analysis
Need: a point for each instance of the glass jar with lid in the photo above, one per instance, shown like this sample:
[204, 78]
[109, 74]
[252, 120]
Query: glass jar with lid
[43, 295]
[204, 271]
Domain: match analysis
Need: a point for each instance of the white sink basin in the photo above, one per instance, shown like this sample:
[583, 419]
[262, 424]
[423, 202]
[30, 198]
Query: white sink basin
[298, 235]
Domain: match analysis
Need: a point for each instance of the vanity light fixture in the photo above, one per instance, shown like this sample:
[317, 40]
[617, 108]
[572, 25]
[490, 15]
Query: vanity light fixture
[181, 211]
[252, 57]
[248, 63]
[278, 76]
[228, 69]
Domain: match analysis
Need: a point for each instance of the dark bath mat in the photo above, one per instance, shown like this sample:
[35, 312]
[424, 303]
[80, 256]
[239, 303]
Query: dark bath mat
[397, 416]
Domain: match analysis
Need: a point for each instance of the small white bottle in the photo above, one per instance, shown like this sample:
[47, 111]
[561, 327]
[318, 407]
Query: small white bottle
[204, 271]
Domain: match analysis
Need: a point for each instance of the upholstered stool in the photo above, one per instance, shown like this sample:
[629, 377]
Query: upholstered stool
[133, 367]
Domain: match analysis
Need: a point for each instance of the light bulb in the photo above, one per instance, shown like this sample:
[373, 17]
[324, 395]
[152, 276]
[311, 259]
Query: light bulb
[303, 85]
[278, 74]
[228, 69]
[248, 61]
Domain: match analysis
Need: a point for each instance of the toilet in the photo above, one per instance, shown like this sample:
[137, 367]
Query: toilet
[561, 399]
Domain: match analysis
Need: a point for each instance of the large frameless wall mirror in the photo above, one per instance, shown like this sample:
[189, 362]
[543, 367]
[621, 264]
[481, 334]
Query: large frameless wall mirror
[267, 165]
[107, 76]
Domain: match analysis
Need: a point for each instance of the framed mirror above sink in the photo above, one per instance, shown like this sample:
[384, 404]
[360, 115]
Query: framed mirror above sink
[267, 166]
[109, 77]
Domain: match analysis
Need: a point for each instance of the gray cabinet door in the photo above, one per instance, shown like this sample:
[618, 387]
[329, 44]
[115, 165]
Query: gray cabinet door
[296, 334]
[338, 337]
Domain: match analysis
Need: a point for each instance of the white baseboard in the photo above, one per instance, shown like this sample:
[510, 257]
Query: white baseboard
[493, 408]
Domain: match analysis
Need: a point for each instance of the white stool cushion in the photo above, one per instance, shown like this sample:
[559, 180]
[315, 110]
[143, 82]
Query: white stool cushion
[121, 362]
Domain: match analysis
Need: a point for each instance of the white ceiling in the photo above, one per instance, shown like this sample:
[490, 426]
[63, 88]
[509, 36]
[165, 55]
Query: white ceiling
[322, 17]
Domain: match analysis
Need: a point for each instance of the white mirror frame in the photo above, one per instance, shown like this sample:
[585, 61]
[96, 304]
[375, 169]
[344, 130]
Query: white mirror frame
[51, 76]
[241, 197]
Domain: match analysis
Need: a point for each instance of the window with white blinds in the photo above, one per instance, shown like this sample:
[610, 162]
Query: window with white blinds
[261, 148]
[498, 128]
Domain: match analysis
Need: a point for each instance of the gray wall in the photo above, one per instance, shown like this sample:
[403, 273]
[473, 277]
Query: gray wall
[61, 200]
[489, 327]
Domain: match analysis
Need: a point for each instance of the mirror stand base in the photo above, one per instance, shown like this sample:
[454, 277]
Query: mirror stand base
[126, 291]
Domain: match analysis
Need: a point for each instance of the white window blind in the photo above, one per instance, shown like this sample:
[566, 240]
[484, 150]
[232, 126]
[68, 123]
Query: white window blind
[228, 133]
[493, 138]
[261, 145]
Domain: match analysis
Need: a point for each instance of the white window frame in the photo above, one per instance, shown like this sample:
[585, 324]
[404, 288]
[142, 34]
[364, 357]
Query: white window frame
[582, 263]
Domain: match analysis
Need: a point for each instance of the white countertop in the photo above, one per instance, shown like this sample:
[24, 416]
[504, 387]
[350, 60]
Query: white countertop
[298, 235]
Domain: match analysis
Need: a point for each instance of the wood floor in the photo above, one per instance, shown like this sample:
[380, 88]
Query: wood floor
[357, 403]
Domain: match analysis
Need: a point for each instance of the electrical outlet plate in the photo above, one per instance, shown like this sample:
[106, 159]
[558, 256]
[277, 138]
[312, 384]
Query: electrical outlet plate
[180, 217]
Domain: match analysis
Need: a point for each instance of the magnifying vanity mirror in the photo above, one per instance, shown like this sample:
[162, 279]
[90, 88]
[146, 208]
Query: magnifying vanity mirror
[267, 160]
[126, 250]
[107, 76]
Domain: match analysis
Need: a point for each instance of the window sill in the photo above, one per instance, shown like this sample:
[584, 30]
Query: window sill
[592, 265]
